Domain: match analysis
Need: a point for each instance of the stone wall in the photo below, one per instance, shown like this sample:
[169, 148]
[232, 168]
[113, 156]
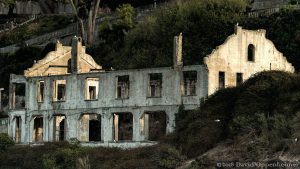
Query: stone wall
[27, 7]
[3, 125]
[3, 9]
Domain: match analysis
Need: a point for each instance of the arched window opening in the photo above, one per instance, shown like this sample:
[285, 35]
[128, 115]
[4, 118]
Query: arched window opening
[251, 53]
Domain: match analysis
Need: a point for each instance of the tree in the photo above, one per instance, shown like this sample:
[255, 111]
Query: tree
[86, 10]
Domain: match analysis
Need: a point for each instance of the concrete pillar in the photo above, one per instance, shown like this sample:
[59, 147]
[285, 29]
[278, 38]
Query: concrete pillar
[45, 127]
[71, 123]
[1, 89]
[137, 114]
[171, 119]
[23, 129]
[107, 126]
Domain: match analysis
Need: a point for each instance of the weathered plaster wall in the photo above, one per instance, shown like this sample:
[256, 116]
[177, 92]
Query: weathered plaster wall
[4, 125]
[107, 104]
[232, 57]
[56, 62]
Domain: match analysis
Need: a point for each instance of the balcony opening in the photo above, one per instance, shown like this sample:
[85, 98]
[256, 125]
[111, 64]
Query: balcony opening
[155, 85]
[153, 125]
[38, 130]
[59, 128]
[90, 127]
[123, 126]
[18, 130]
[190, 81]
[59, 90]
[123, 87]
[92, 88]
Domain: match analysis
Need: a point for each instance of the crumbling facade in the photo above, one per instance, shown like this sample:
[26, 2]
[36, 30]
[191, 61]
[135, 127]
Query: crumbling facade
[67, 96]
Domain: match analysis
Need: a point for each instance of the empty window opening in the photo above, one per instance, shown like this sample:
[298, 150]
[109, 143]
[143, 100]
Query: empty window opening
[92, 88]
[18, 129]
[90, 127]
[123, 126]
[221, 80]
[18, 96]
[95, 130]
[123, 87]
[155, 85]
[69, 66]
[59, 89]
[153, 125]
[239, 78]
[41, 87]
[59, 128]
[190, 81]
[38, 130]
[251, 53]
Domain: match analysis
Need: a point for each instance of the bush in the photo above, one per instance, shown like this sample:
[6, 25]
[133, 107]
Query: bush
[5, 141]
[202, 162]
[168, 157]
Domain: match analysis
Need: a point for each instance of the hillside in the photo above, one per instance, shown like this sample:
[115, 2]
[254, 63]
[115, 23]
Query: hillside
[256, 121]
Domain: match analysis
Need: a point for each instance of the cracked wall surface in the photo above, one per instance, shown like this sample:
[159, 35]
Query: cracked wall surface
[231, 58]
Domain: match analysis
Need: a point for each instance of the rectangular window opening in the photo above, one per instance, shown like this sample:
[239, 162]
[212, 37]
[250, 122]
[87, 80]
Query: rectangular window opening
[41, 87]
[18, 96]
[123, 87]
[239, 78]
[92, 88]
[190, 81]
[155, 85]
[59, 90]
[221, 80]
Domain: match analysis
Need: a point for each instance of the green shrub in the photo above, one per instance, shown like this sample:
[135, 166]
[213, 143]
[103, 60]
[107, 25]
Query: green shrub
[202, 162]
[168, 157]
[5, 141]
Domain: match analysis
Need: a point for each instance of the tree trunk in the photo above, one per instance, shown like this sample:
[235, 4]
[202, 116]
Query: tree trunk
[92, 21]
[81, 27]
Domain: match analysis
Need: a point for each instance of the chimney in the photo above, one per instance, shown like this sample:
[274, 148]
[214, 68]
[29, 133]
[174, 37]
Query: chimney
[177, 51]
[237, 29]
[75, 54]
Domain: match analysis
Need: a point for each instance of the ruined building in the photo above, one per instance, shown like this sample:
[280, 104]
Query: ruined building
[67, 96]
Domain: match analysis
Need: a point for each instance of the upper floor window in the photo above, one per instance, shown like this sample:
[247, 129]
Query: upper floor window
[40, 94]
[221, 80]
[69, 67]
[92, 88]
[190, 80]
[155, 85]
[59, 90]
[123, 87]
[251, 53]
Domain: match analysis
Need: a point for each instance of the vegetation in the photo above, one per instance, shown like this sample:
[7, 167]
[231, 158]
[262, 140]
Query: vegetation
[67, 156]
[38, 27]
[258, 117]
[258, 120]
[5, 141]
